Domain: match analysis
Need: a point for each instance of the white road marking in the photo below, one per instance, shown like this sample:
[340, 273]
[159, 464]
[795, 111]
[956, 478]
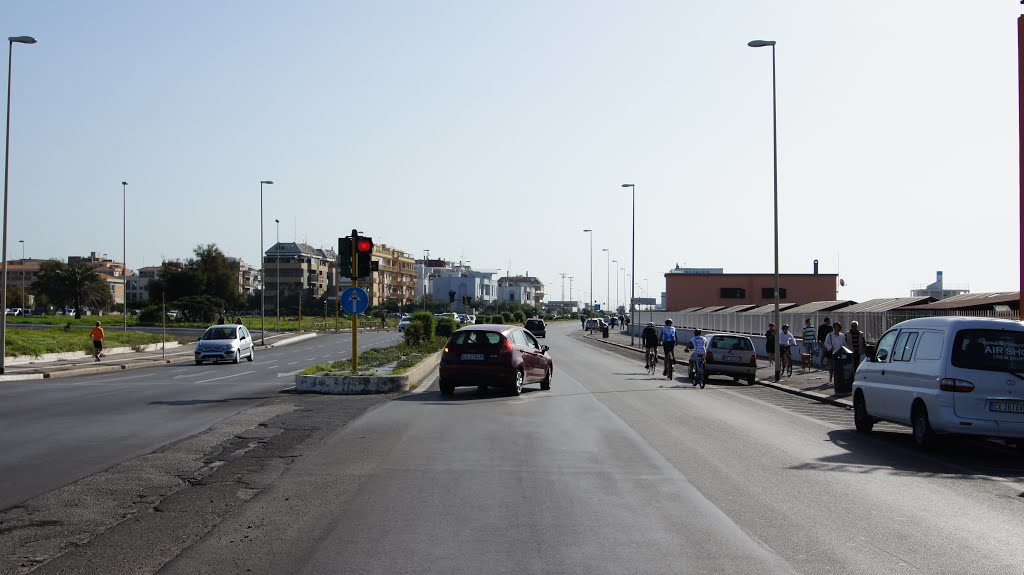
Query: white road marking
[424, 385]
[177, 370]
[190, 375]
[289, 373]
[272, 366]
[292, 362]
[226, 376]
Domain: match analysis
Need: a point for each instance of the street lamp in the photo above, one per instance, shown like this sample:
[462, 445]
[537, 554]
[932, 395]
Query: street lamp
[591, 232]
[607, 278]
[426, 258]
[616, 262]
[124, 252]
[632, 293]
[7, 154]
[23, 270]
[277, 277]
[775, 166]
[623, 270]
[263, 273]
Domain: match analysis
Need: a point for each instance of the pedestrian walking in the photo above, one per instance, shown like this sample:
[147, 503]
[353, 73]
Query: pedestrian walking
[583, 322]
[856, 340]
[769, 342]
[97, 341]
[809, 334]
[834, 342]
[823, 330]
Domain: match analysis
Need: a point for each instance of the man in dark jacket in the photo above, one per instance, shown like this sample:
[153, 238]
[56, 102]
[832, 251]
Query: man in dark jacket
[823, 330]
[650, 341]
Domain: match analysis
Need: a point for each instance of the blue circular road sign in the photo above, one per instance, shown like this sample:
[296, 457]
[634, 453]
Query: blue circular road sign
[354, 300]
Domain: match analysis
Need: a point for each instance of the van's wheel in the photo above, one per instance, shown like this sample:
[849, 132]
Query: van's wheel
[861, 419]
[517, 387]
[545, 384]
[751, 380]
[924, 436]
[199, 362]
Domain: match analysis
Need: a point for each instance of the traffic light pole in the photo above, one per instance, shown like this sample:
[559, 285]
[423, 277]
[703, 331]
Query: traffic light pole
[355, 316]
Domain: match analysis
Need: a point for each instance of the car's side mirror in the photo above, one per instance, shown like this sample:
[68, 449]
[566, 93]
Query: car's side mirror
[544, 348]
[880, 355]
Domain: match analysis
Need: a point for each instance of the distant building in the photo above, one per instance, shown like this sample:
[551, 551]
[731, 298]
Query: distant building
[937, 290]
[395, 279]
[248, 276]
[292, 268]
[703, 287]
[139, 281]
[522, 289]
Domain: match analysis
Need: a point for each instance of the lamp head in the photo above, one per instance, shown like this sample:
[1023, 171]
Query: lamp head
[760, 43]
[588, 230]
[124, 183]
[628, 185]
[22, 40]
[266, 181]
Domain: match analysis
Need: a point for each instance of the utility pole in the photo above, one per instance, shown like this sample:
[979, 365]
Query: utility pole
[563, 286]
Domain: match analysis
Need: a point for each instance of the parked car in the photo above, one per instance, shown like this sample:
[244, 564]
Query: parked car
[405, 322]
[595, 323]
[229, 342]
[485, 356]
[452, 316]
[944, 375]
[731, 355]
[537, 327]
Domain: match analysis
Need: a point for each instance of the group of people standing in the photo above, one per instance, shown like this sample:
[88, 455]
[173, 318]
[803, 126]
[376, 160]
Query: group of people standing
[821, 343]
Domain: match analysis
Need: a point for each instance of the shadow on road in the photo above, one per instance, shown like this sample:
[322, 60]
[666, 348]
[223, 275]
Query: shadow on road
[894, 453]
[202, 401]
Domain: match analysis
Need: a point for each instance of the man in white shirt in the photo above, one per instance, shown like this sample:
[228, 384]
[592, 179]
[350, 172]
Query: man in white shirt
[834, 342]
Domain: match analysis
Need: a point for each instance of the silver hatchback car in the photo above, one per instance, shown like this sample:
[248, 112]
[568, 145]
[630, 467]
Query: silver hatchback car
[229, 342]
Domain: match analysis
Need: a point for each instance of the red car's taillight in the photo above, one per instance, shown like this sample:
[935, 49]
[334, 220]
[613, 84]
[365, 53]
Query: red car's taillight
[753, 359]
[708, 356]
[506, 347]
[956, 385]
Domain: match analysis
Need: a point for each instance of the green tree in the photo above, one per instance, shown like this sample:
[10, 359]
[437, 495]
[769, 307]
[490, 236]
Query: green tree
[209, 273]
[71, 284]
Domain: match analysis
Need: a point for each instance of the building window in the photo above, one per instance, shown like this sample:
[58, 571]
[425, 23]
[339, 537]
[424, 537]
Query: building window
[732, 293]
[768, 293]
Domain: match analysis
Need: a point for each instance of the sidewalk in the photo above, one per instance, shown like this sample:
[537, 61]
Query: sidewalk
[812, 384]
[87, 365]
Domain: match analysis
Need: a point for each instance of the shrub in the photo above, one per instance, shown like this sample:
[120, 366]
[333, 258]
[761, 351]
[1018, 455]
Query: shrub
[445, 327]
[506, 317]
[519, 317]
[413, 333]
[427, 321]
[481, 319]
[497, 319]
[150, 314]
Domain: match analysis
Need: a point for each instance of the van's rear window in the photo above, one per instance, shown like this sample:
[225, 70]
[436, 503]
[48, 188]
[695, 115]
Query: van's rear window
[473, 337]
[989, 349]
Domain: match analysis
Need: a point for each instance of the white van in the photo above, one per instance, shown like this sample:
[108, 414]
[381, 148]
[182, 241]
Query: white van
[945, 375]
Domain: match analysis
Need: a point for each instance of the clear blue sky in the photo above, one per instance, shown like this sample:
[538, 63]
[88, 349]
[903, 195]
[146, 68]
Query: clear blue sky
[495, 132]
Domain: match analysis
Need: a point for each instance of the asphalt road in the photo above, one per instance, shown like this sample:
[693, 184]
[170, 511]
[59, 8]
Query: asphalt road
[611, 472]
[57, 431]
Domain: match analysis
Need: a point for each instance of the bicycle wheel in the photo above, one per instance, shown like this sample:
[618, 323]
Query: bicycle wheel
[700, 375]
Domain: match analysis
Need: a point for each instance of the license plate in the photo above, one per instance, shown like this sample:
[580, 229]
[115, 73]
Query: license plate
[1006, 406]
[472, 357]
[731, 357]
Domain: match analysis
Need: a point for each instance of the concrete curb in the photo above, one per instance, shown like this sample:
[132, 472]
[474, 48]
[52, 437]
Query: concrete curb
[367, 384]
[830, 399]
[69, 355]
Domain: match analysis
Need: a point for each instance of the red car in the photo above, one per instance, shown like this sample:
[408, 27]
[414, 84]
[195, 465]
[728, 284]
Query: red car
[485, 356]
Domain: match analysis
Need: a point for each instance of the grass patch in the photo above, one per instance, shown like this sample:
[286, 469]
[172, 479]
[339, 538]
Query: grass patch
[36, 342]
[403, 355]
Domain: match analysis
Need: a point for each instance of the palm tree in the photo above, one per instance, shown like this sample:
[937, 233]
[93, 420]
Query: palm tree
[75, 284]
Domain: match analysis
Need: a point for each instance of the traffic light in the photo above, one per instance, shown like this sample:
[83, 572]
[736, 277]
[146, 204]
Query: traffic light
[364, 249]
[451, 296]
[345, 257]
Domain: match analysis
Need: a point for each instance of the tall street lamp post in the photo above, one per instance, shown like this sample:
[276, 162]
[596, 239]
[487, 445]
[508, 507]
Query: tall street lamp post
[124, 252]
[632, 293]
[775, 167]
[616, 262]
[277, 277]
[426, 258]
[591, 232]
[7, 154]
[263, 273]
[24, 296]
[608, 278]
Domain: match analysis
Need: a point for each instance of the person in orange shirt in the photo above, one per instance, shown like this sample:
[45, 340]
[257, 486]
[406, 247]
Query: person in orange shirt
[97, 341]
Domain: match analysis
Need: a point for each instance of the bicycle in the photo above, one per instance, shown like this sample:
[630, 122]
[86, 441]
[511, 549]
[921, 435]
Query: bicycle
[787, 361]
[652, 360]
[697, 376]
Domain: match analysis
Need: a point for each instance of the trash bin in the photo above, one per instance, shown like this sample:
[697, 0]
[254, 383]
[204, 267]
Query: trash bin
[844, 369]
[604, 331]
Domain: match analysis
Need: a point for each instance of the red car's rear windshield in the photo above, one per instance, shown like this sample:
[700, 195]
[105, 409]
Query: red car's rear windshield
[474, 337]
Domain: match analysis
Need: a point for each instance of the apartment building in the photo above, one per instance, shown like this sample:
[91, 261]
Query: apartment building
[294, 267]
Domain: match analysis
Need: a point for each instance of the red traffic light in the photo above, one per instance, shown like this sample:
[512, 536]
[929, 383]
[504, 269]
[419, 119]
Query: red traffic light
[364, 245]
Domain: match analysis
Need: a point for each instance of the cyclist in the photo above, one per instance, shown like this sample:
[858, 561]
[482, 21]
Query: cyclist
[786, 342]
[649, 337]
[667, 337]
[699, 344]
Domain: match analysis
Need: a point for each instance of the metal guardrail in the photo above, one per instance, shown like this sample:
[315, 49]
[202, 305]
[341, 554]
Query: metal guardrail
[873, 324]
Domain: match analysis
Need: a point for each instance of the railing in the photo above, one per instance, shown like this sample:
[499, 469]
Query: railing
[873, 324]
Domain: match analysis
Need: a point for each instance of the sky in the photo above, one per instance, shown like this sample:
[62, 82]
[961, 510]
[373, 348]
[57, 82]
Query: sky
[495, 132]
